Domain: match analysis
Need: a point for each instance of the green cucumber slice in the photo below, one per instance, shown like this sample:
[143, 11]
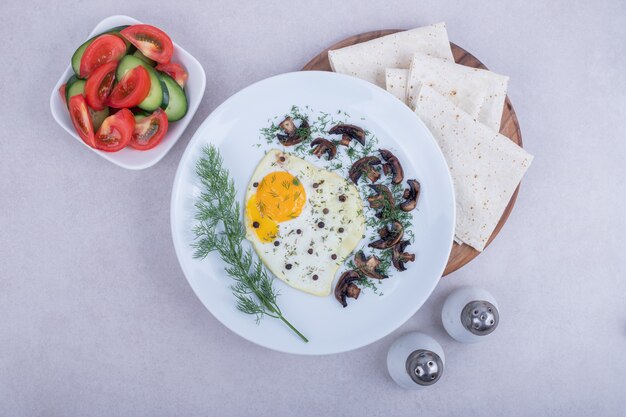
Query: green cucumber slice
[177, 106]
[73, 87]
[76, 86]
[155, 96]
[97, 117]
[78, 55]
[166, 93]
[144, 58]
[138, 112]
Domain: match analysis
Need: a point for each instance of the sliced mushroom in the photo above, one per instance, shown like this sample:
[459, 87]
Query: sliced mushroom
[382, 199]
[388, 236]
[399, 256]
[345, 140]
[365, 166]
[353, 291]
[410, 195]
[348, 133]
[346, 288]
[322, 145]
[293, 135]
[392, 165]
[288, 126]
[368, 266]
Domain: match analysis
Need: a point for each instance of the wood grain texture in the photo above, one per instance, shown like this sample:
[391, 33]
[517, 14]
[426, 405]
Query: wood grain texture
[461, 254]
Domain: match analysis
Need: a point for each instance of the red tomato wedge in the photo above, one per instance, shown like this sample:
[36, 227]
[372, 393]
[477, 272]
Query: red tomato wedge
[131, 89]
[104, 49]
[115, 132]
[149, 131]
[62, 93]
[99, 85]
[174, 70]
[151, 41]
[81, 119]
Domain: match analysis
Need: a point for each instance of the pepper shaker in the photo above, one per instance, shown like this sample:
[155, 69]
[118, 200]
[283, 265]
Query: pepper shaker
[469, 314]
[415, 361]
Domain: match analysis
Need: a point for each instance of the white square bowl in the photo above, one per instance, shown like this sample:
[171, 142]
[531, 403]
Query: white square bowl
[131, 158]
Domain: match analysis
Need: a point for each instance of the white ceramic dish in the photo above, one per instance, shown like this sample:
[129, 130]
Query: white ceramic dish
[130, 158]
[234, 128]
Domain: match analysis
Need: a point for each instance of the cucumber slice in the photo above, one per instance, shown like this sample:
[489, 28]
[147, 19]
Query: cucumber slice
[73, 87]
[76, 86]
[97, 117]
[138, 112]
[155, 96]
[144, 58]
[166, 93]
[78, 55]
[177, 106]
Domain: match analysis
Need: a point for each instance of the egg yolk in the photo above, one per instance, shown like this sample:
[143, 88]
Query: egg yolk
[279, 197]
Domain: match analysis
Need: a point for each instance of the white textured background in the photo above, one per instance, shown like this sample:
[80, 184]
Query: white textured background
[96, 318]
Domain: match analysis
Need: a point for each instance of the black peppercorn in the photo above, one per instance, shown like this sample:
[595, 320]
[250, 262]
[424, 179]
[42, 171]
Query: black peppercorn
[276, 243]
[320, 224]
[340, 230]
[298, 231]
[288, 266]
[333, 256]
[342, 198]
[256, 184]
[325, 211]
[310, 251]
[315, 277]
[255, 225]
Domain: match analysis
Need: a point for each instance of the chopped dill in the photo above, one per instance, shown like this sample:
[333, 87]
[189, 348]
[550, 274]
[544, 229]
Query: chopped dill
[319, 123]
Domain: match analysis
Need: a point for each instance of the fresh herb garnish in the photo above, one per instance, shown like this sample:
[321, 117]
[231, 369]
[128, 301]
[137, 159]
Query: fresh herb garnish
[219, 229]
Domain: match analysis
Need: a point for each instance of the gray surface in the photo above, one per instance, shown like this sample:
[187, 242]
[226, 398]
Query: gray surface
[96, 318]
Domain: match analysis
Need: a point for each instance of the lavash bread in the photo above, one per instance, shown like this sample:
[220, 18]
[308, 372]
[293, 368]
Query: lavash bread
[479, 92]
[486, 167]
[368, 60]
[395, 82]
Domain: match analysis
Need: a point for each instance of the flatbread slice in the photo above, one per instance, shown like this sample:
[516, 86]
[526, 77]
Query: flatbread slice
[368, 60]
[479, 92]
[486, 167]
[395, 82]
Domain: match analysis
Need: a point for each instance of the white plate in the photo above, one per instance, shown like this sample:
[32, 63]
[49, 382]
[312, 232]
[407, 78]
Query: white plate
[130, 158]
[234, 128]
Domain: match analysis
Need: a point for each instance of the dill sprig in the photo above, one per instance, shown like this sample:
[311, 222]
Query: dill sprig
[219, 229]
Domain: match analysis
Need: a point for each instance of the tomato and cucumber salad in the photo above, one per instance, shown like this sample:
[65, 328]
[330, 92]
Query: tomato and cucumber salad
[125, 90]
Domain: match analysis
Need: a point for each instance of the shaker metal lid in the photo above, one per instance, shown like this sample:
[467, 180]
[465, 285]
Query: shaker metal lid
[424, 367]
[480, 317]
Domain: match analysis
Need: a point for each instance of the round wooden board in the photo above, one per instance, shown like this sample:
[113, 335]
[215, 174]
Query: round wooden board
[461, 254]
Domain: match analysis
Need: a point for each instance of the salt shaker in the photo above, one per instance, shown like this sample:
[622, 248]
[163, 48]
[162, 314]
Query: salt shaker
[415, 361]
[470, 314]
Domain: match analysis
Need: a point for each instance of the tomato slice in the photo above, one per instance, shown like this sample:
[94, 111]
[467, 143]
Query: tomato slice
[174, 70]
[99, 85]
[62, 93]
[81, 119]
[149, 131]
[151, 41]
[131, 89]
[104, 49]
[115, 132]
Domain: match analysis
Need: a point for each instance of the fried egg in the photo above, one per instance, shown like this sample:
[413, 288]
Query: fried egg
[303, 221]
